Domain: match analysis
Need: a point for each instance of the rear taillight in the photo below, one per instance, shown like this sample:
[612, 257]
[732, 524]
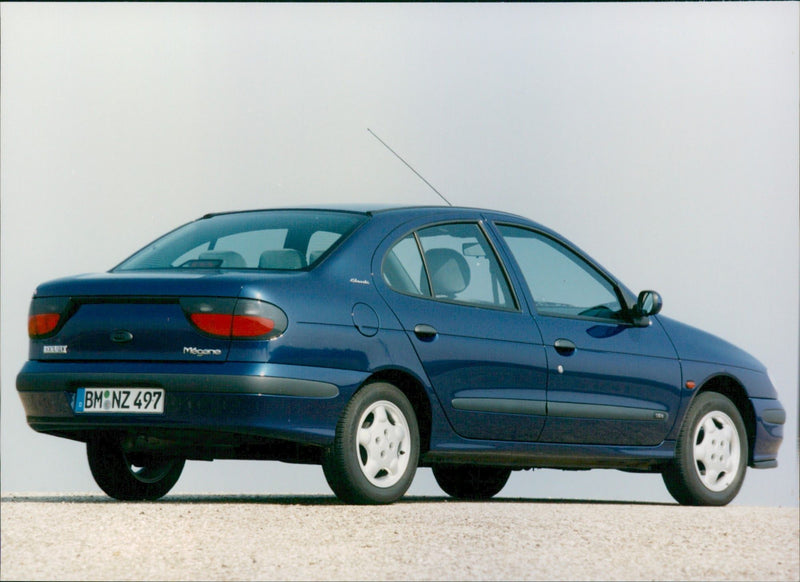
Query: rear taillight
[210, 315]
[47, 315]
[235, 318]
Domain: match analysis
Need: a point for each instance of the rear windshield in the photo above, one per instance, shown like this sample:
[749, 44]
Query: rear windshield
[272, 240]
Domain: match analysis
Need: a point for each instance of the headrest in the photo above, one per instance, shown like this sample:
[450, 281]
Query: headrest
[281, 259]
[449, 271]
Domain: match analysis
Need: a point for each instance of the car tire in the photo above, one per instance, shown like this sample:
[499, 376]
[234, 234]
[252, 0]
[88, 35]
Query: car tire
[710, 454]
[376, 447]
[471, 481]
[131, 476]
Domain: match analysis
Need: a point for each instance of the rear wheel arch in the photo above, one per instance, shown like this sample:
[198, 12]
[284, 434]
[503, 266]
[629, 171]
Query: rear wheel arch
[731, 388]
[375, 453]
[416, 394]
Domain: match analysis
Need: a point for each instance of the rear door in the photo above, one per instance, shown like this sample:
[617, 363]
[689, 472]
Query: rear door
[482, 354]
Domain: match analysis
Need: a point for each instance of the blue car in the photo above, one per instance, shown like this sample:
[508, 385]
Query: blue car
[373, 341]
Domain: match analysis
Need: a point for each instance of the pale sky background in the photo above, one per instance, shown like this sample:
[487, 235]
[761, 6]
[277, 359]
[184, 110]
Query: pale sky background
[663, 139]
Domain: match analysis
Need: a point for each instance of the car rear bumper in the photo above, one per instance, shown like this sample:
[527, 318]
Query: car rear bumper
[291, 403]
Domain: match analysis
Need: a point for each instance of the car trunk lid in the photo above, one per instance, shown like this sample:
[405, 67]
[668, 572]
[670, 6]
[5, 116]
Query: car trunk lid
[132, 316]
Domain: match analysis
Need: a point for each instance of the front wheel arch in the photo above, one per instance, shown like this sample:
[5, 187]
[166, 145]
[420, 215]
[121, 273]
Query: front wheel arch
[733, 390]
[710, 454]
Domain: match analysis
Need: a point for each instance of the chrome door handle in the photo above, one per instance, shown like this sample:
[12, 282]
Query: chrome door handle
[564, 347]
[425, 332]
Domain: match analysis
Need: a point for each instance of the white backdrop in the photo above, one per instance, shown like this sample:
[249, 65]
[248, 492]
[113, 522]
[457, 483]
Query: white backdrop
[663, 139]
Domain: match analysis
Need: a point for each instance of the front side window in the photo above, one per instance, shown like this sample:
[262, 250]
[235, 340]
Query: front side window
[267, 240]
[450, 262]
[561, 282]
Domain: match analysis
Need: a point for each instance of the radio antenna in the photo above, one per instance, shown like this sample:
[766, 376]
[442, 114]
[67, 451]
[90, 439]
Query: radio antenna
[409, 167]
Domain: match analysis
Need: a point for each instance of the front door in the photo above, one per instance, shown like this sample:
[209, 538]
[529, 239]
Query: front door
[609, 382]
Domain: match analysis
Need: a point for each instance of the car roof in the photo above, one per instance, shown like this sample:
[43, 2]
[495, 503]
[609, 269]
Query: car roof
[371, 209]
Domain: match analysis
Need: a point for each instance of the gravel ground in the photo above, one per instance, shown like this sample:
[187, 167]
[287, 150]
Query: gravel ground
[68, 537]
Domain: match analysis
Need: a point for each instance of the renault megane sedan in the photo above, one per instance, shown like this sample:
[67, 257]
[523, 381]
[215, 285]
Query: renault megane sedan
[373, 341]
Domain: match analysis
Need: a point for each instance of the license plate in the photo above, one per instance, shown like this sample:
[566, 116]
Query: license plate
[120, 400]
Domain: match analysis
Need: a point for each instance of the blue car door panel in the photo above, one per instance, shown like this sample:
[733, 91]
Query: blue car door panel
[482, 354]
[619, 384]
[609, 381]
[487, 373]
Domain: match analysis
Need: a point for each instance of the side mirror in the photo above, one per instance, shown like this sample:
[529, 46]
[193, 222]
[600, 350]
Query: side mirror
[649, 303]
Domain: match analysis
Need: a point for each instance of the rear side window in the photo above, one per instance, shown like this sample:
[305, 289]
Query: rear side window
[266, 240]
[403, 270]
[449, 262]
[319, 243]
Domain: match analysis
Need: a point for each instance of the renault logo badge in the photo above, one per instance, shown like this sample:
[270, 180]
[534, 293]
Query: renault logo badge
[121, 336]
